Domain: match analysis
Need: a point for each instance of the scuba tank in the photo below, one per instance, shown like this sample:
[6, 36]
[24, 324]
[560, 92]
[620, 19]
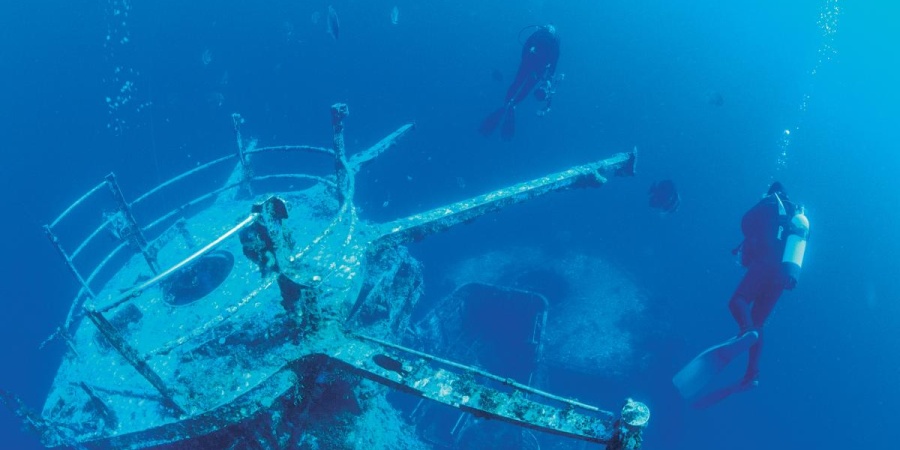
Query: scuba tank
[797, 230]
[795, 245]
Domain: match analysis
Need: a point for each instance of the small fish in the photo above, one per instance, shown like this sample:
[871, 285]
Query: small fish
[395, 15]
[664, 197]
[334, 24]
[388, 363]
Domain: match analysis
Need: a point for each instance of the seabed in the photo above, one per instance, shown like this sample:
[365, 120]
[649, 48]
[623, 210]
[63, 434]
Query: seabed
[264, 312]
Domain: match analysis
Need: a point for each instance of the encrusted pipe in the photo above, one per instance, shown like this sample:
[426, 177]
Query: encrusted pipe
[628, 433]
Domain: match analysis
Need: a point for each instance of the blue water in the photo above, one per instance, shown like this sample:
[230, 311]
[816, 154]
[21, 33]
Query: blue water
[638, 73]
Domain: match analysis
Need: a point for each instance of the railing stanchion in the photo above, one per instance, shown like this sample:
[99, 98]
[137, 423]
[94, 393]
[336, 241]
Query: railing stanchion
[339, 111]
[243, 156]
[238, 120]
[133, 231]
[65, 256]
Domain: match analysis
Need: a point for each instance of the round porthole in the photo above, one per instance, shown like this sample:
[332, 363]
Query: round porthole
[198, 279]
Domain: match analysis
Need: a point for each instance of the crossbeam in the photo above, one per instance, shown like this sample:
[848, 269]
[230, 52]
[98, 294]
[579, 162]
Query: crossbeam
[458, 386]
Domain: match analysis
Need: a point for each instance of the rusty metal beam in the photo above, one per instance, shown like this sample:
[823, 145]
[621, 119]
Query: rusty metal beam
[420, 225]
[457, 385]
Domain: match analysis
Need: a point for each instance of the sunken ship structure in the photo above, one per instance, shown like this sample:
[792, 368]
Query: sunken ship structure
[264, 312]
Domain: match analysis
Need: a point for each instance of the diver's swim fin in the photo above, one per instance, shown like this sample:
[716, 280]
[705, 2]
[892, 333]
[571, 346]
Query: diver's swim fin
[509, 124]
[718, 395]
[490, 123]
[701, 370]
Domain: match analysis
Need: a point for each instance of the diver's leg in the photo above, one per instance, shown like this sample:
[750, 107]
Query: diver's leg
[765, 303]
[516, 85]
[740, 310]
[740, 304]
[508, 130]
[762, 308]
[524, 82]
[752, 372]
[490, 122]
[747, 293]
[527, 86]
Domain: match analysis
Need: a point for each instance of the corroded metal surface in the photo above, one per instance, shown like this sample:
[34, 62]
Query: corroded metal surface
[442, 218]
[463, 387]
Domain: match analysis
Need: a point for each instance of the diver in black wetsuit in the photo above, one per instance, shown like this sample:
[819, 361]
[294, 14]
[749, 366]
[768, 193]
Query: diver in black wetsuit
[775, 235]
[536, 69]
[766, 227]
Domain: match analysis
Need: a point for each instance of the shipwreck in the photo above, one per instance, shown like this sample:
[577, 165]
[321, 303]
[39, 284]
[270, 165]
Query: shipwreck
[224, 315]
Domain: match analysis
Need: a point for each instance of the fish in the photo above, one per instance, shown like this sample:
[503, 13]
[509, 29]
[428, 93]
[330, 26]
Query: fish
[395, 15]
[388, 363]
[334, 23]
[664, 197]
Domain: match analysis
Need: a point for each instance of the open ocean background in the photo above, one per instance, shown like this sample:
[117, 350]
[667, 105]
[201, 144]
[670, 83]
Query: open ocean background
[638, 73]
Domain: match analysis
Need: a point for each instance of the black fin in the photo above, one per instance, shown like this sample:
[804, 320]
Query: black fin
[490, 123]
[509, 125]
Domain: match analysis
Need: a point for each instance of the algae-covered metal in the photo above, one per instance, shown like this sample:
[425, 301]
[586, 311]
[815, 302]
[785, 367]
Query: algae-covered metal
[224, 303]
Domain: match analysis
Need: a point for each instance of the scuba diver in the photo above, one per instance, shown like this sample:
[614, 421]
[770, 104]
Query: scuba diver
[536, 73]
[775, 234]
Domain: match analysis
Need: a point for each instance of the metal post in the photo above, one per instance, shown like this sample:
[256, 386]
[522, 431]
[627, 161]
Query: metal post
[189, 239]
[131, 355]
[339, 111]
[65, 256]
[246, 171]
[135, 235]
[629, 428]
[67, 338]
[238, 120]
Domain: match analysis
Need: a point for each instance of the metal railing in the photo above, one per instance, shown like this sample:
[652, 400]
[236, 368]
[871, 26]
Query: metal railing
[132, 234]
